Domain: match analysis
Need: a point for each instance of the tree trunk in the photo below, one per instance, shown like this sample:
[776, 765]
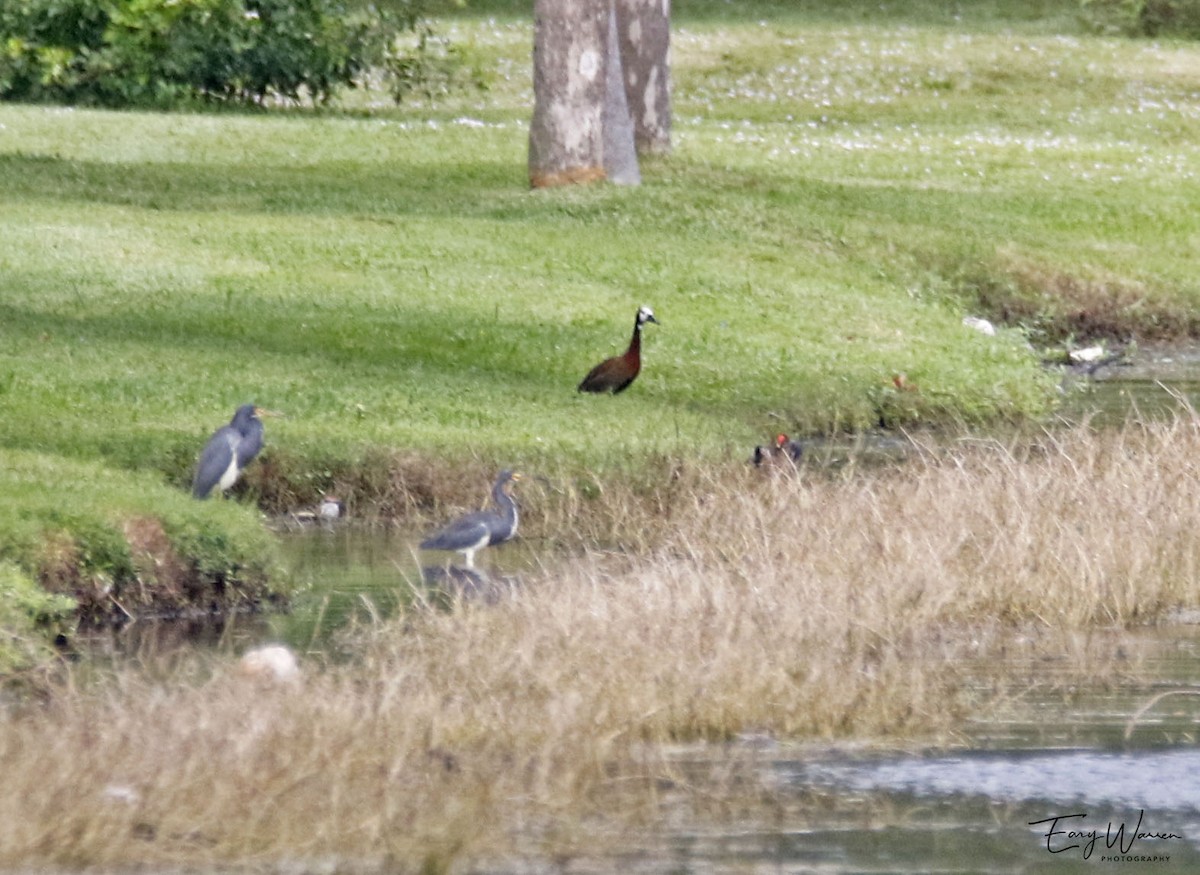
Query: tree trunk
[644, 27]
[620, 151]
[566, 135]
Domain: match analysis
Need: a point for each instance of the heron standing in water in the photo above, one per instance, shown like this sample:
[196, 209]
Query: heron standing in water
[483, 528]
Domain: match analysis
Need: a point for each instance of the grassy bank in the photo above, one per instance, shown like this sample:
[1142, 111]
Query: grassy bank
[795, 606]
[76, 521]
[112, 546]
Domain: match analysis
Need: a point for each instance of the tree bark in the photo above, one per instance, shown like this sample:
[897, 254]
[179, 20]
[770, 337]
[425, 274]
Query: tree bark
[566, 135]
[620, 150]
[644, 28]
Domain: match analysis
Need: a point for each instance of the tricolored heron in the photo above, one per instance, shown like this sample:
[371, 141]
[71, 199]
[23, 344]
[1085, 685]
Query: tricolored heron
[483, 528]
[231, 448]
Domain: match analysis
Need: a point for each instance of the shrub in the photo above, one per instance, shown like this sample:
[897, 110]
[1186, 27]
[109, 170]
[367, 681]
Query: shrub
[1145, 17]
[432, 67]
[174, 52]
[1179, 17]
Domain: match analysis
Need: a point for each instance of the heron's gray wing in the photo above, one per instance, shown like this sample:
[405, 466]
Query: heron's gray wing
[250, 444]
[466, 531]
[214, 460]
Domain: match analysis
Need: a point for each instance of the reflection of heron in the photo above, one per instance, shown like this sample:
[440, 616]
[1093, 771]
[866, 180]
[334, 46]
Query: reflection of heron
[615, 374]
[469, 583]
[231, 448]
[483, 528]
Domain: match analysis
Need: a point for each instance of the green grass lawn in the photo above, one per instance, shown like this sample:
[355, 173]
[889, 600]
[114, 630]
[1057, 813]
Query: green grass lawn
[417, 295]
[845, 187]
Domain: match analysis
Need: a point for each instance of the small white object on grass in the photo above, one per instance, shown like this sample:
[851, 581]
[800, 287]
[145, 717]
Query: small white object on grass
[121, 793]
[1086, 355]
[331, 508]
[980, 325]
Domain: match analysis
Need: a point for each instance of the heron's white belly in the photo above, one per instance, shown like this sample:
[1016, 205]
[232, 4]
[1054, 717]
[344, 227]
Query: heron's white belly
[229, 477]
[482, 542]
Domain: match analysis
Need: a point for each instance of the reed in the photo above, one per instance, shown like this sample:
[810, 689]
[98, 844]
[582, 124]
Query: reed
[858, 604]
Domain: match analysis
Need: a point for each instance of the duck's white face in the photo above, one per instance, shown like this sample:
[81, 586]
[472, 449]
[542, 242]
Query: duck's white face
[645, 314]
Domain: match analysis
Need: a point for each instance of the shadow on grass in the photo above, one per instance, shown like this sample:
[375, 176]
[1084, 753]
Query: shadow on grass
[484, 350]
[378, 192]
[440, 189]
[422, 352]
[482, 191]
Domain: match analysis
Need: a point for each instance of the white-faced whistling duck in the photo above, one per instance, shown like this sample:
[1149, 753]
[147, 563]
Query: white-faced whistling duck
[782, 449]
[615, 374]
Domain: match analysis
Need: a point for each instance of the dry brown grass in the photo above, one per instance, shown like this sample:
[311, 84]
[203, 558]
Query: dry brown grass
[804, 606]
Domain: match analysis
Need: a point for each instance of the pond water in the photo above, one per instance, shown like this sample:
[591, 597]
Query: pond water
[991, 806]
[1006, 800]
[1155, 383]
[1060, 789]
[1014, 812]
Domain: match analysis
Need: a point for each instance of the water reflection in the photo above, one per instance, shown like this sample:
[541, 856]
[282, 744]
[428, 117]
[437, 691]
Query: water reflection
[975, 809]
[998, 812]
[160, 648]
[1154, 384]
[342, 574]
[1163, 781]
[348, 574]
